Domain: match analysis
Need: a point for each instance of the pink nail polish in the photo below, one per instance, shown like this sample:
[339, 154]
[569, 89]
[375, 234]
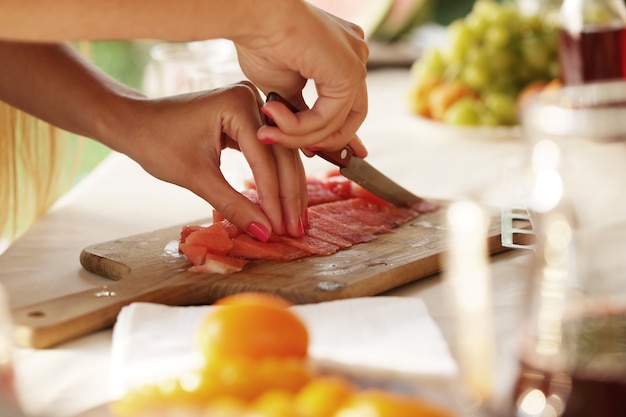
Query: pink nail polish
[259, 231]
[268, 141]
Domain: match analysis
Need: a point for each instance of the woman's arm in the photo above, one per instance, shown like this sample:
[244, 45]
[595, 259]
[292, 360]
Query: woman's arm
[177, 139]
[281, 45]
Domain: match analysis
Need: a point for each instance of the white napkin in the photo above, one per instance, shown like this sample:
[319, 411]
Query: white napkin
[386, 336]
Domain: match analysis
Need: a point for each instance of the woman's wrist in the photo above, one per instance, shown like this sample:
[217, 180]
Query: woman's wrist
[116, 125]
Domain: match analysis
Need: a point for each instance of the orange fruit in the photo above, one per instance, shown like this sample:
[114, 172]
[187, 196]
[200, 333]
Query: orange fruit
[444, 95]
[253, 298]
[252, 325]
[379, 403]
[322, 396]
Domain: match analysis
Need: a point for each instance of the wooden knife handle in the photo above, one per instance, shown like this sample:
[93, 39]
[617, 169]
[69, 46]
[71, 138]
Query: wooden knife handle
[340, 158]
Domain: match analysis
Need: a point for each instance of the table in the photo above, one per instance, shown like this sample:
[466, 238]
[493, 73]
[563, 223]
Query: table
[119, 199]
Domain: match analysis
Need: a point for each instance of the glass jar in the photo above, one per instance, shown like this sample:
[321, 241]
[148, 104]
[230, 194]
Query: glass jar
[573, 345]
[592, 40]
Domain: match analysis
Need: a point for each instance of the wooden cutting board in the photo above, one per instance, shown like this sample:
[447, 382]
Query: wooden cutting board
[147, 267]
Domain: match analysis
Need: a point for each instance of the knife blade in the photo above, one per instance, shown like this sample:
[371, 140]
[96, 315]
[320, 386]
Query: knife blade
[357, 169]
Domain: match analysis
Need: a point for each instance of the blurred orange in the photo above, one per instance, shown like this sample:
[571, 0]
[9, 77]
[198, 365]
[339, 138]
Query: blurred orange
[253, 298]
[533, 89]
[252, 325]
[444, 95]
[379, 403]
[322, 396]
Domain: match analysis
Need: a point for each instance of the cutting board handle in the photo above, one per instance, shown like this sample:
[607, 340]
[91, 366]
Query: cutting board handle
[48, 323]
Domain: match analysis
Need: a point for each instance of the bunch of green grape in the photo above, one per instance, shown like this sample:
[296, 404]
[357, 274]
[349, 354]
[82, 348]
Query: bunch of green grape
[491, 55]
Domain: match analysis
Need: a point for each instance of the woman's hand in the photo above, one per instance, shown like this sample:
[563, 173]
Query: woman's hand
[179, 139]
[297, 42]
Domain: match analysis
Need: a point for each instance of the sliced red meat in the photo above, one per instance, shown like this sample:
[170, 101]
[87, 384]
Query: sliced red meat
[214, 237]
[335, 225]
[311, 244]
[340, 214]
[343, 215]
[245, 246]
[195, 253]
[186, 231]
[319, 193]
[326, 236]
[339, 185]
[219, 264]
[232, 230]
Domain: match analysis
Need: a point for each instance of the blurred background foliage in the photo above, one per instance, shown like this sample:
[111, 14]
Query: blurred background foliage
[448, 10]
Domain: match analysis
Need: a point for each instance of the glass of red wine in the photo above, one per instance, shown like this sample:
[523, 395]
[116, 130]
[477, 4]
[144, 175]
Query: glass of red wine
[572, 357]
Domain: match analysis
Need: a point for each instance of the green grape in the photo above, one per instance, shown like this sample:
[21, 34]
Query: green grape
[497, 36]
[496, 51]
[475, 72]
[460, 38]
[511, 18]
[475, 78]
[554, 69]
[432, 64]
[488, 10]
[465, 111]
[535, 53]
[488, 119]
[502, 106]
[501, 61]
[477, 25]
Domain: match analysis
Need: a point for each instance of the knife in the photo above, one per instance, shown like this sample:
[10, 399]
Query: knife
[358, 170]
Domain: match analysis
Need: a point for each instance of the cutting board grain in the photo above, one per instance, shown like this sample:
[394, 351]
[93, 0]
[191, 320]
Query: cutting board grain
[147, 267]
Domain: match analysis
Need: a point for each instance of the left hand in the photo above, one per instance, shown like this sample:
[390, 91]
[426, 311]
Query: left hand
[179, 139]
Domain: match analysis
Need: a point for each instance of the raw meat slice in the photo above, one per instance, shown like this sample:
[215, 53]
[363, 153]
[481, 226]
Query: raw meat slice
[214, 237]
[343, 216]
[195, 253]
[319, 233]
[245, 246]
[311, 244]
[340, 214]
[320, 193]
[186, 231]
[339, 228]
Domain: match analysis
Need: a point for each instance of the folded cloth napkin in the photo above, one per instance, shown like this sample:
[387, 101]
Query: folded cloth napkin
[383, 336]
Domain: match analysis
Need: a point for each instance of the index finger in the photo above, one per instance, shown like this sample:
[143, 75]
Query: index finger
[331, 123]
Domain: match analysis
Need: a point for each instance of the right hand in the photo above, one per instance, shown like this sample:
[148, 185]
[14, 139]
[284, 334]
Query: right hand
[296, 42]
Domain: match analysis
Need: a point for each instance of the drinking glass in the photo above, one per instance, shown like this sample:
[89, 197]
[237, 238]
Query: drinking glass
[573, 345]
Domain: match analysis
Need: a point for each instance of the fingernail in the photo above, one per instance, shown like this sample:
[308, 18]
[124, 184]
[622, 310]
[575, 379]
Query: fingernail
[300, 227]
[259, 231]
[314, 148]
[268, 141]
[269, 120]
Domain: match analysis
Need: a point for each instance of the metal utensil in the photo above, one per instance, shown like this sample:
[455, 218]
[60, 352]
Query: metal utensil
[358, 170]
